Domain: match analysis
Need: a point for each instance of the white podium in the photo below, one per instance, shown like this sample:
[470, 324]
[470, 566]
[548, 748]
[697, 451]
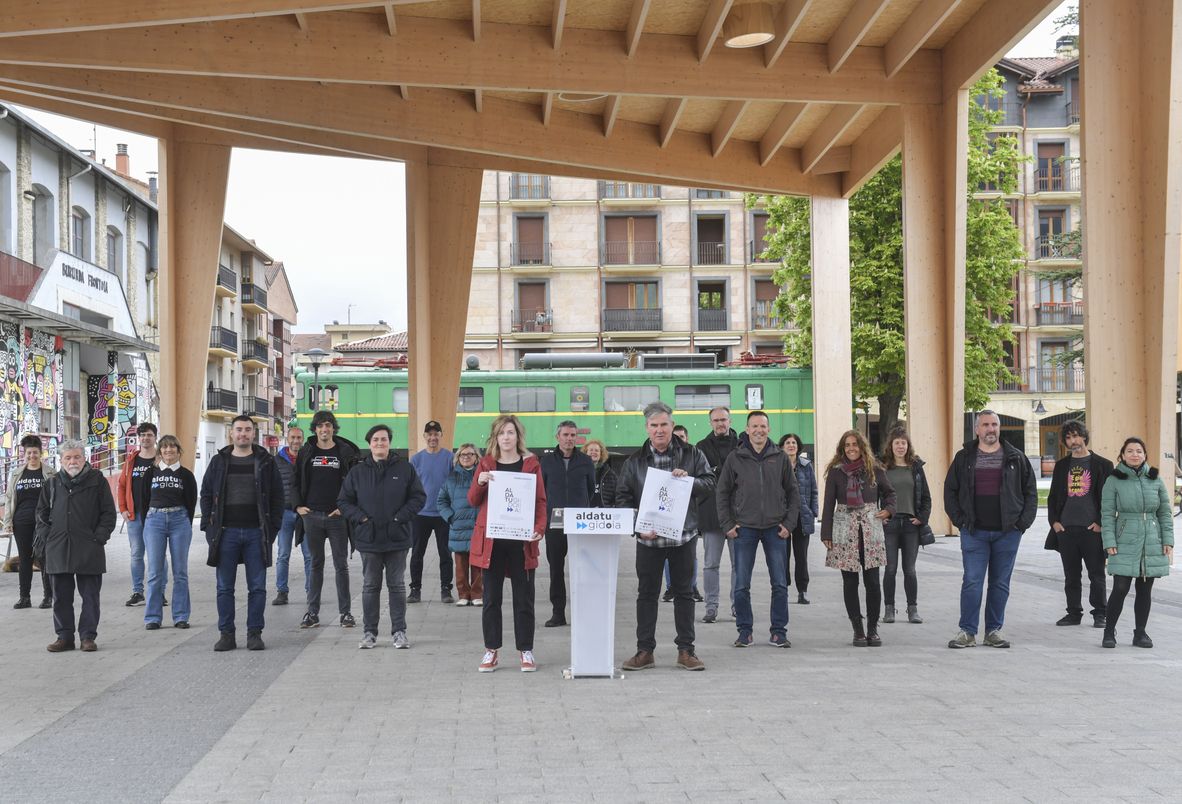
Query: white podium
[593, 538]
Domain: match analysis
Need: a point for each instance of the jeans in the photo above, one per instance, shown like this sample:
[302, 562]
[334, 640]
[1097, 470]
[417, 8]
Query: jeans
[508, 561]
[24, 548]
[775, 554]
[798, 556]
[172, 530]
[393, 564]
[319, 526]
[1079, 547]
[135, 535]
[283, 553]
[901, 534]
[713, 541]
[995, 551]
[63, 604]
[241, 546]
[649, 563]
[694, 577]
[423, 527]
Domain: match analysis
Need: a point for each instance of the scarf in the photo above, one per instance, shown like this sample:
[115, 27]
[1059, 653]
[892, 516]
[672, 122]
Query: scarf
[855, 481]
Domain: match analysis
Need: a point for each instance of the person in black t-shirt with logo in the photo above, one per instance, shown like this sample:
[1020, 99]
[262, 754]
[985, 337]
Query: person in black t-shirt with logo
[130, 498]
[171, 502]
[20, 518]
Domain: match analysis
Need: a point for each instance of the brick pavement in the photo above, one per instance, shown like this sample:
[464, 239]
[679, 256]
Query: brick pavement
[158, 716]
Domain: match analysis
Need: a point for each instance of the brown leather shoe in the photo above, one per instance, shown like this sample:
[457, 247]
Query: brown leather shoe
[689, 661]
[60, 645]
[88, 646]
[643, 660]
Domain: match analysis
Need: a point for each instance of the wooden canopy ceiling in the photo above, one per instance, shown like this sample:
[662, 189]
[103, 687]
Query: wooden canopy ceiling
[634, 89]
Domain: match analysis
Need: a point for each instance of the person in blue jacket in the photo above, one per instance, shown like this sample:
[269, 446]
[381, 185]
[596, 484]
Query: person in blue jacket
[460, 517]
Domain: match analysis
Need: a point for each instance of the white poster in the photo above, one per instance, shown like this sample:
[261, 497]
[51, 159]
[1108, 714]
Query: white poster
[664, 504]
[616, 521]
[511, 505]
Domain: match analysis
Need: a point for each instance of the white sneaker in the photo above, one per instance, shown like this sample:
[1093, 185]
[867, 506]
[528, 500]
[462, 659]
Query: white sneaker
[528, 665]
[461, 602]
[477, 601]
[368, 641]
[400, 640]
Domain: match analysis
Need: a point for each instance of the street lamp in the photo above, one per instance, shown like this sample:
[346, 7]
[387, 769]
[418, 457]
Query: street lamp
[316, 357]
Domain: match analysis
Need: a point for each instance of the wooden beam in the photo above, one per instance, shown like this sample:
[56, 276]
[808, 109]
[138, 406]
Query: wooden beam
[547, 107]
[611, 110]
[508, 58]
[827, 134]
[391, 24]
[987, 37]
[478, 100]
[711, 26]
[873, 149]
[301, 21]
[475, 20]
[725, 127]
[635, 25]
[673, 110]
[787, 21]
[837, 160]
[853, 29]
[923, 22]
[777, 132]
[558, 22]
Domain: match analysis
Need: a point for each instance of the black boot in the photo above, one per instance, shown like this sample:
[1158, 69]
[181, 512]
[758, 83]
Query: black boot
[859, 634]
[414, 596]
[226, 642]
[254, 640]
[872, 638]
[1109, 640]
[1141, 640]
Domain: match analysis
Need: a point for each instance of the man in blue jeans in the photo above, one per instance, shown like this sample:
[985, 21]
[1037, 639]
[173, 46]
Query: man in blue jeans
[285, 459]
[758, 503]
[241, 512]
[990, 496]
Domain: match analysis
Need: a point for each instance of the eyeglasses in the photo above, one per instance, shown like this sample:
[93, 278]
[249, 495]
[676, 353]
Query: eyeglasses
[469, 455]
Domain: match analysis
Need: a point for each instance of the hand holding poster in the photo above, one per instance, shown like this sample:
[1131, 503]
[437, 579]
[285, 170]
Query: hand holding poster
[511, 505]
[664, 504]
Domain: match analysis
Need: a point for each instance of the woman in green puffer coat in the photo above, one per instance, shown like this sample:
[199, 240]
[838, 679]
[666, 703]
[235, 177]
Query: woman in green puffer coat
[1137, 527]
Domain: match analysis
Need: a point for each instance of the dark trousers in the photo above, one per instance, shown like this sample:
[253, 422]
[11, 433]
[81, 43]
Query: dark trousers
[798, 555]
[63, 585]
[508, 561]
[241, 546]
[424, 526]
[1079, 547]
[1116, 601]
[24, 548]
[849, 589]
[650, 561]
[392, 564]
[556, 557]
[902, 535]
[318, 527]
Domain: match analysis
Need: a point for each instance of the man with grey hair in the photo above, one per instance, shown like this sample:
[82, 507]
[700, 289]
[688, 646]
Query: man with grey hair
[75, 519]
[663, 451]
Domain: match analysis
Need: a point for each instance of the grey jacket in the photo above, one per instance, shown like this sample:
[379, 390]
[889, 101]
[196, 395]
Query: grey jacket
[757, 490]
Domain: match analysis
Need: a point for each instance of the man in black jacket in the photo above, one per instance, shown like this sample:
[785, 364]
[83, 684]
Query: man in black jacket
[380, 497]
[241, 513]
[75, 518]
[991, 497]
[1073, 509]
[285, 459]
[569, 476]
[716, 447]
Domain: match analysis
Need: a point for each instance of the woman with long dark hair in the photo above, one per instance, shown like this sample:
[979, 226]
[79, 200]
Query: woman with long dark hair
[913, 508]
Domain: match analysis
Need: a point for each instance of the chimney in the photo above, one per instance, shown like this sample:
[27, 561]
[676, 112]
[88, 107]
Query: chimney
[122, 160]
[88, 153]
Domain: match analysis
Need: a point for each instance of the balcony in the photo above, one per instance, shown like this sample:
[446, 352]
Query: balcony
[277, 384]
[17, 277]
[1059, 314]
[533, 321]
[254, 298]
[1057, 247]
[1058, 179]
[221, 402]
[277, 343]
[255, 355]
[227, 282]
[631, 252]
[710, 253]
[1046, 380]
[1011, 112]
[1072, 112]
[223, 342]
[699, 193]
[256, 407]
[712, 320]
[529, 187]
[624, 320]
[529, 254]
[763, 316]
[609, 190]
[755, 253]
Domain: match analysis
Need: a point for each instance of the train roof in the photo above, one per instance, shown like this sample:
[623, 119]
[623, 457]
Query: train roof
[477, 376]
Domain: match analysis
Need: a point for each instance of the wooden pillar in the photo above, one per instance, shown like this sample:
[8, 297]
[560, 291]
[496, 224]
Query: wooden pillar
[935, 169]
[833, 385]
[441, 210]
[191, 206]
[1131, 145]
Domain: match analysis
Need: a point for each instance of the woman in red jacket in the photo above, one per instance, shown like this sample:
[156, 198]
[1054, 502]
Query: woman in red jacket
[510, 558]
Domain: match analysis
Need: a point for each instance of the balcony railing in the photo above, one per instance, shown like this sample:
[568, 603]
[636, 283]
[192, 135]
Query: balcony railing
[755, 252]
[529, 187]
[1057, 179]
[222, 338]
[256, 406]
[699, 193]
[1047, 380]
[227, 278]
[1056, 247]
[631, 252]
[533, 320]
[253, 294]
[277, 383]
[622, 320]
[17, 277]
[277, 343]
[529, 253]
[221, 399]
[624, 189]
[709, 319]
[710, 253]
[253, 350]
[1072, 109]
[763, 316]
[1059, 314]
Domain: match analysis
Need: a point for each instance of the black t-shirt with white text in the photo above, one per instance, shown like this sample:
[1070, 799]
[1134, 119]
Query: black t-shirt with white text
[167, 489]
[324, 479]
[141, 467]
[28, 491]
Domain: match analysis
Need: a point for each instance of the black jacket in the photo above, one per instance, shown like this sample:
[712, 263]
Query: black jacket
[691, 459]
[1100, 467]
[716, 449]
[1019, 495]
[757, 490]
[567, 486]
[268, 488]
[75, 518]
[350, 457]
[287, 470]
[923, 492]
[380, 498]
[605, 487]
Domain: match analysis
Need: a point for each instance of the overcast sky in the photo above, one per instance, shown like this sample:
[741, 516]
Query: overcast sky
[338, 225]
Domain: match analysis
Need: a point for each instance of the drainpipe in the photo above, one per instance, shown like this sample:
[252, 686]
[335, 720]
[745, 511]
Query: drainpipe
[69, 191]
[500, 338]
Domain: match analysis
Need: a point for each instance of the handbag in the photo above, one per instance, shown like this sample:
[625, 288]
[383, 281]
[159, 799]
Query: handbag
[1052, 542]
[926, 536]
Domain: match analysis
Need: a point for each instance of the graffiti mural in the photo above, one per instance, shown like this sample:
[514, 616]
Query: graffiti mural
[32, 395]
[105, 402]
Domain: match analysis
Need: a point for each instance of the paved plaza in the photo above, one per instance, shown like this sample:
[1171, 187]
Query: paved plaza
[158, 716]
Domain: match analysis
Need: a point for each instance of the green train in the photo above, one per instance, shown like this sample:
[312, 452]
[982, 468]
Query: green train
[606, 403]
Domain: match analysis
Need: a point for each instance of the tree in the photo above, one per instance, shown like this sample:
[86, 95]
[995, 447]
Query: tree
[993, 256]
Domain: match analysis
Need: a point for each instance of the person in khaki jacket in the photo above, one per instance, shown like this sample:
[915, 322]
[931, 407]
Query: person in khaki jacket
[20, 518]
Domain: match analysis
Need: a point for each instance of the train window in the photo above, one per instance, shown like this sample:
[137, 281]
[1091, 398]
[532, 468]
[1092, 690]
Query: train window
[754, 397]
[629, 397]
[329, 397]
[402, 400]
[701, 397]
[471, 400]
[528, 399]
[580, 398]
